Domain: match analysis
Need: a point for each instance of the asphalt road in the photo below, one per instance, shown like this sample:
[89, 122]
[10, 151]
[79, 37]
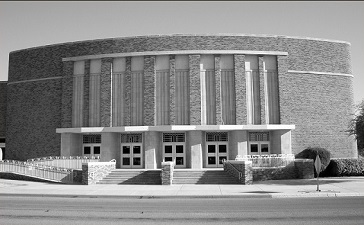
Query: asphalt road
[53, 210]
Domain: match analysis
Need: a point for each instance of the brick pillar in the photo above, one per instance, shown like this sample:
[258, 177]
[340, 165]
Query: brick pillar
[263, 100]
[245, 167]
[240, 89]
[67, 90]
[218, 90]
[282, 88]
[172, 95]
[86, 94]
[195, 90]
[127, 93]
[149, 91]
[167, 173]
[105, 89]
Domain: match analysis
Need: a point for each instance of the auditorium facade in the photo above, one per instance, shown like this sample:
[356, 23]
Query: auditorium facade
[193, 99]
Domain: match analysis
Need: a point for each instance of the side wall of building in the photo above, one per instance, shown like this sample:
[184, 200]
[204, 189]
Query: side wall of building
[3, 95]
[321, 107]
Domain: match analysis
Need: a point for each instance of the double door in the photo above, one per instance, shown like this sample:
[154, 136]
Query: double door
[259, 148]
[174, 151]
[131, 156]
[91, 149]
[217, 152]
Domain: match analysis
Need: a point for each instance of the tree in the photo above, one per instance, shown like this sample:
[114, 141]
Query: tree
[356, 127]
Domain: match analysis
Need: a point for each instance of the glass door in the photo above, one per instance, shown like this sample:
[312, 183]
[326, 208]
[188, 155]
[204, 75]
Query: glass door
[217, 152]
[259, 148]
[131, 156]
[175, 152]
[90, 150]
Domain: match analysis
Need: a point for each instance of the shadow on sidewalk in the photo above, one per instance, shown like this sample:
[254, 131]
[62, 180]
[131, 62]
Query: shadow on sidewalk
[304, 181]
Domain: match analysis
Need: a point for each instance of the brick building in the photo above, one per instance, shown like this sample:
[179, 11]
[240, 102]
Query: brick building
[192, 99]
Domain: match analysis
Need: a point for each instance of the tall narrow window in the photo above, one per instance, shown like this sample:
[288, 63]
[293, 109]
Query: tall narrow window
[77, 95]
[182, 105]
[252, 89]
[162, 90]
[118, 89]
[137, 70]
[95, 72]
[208, 93]
[227, 89]
[271, 83]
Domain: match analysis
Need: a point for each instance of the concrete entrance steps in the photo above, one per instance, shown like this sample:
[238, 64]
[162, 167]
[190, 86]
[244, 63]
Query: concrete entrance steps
[125, 176]
[208, 176]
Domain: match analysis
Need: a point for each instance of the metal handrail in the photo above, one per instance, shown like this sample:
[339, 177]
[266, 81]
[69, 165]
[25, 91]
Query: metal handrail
[228, 167]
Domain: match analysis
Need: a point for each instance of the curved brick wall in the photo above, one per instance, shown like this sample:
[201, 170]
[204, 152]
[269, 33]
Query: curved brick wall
[319, 105]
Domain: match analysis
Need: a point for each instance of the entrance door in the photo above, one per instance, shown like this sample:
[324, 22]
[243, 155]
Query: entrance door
[216, 153]
[259, 148]
[175, 152]
[91, 150]
[174, 149]
[131, 155]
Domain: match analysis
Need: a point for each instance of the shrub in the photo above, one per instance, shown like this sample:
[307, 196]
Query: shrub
[345, 167]
[311, 153]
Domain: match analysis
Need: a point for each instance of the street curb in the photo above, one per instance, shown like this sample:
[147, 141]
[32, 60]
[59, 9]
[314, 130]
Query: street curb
[138, 196]
[306, 195]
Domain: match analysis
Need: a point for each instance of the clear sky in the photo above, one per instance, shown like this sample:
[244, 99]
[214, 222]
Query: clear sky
[31, 24]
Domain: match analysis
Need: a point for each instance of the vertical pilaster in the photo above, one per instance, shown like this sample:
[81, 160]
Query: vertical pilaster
[195, 92]
[240, 89]
[86, 92]
[67, 90]
[127, 93]
[152, 145]
[283, 85]
[149, 91]
[238, 143]
[105, 89]
[110, 147]
[194, 151]
[172, 84]
[263, 92]
[218, 90]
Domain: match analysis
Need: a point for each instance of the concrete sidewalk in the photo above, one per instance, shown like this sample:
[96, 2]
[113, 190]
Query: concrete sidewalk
[330, 187]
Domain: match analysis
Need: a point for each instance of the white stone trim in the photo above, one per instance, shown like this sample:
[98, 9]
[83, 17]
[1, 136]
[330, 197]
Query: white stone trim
[320, 73]
[176, 52]
[33, 80]
[176, 128]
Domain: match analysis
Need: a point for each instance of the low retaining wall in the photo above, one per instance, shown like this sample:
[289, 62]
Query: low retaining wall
[93, 172]
[241, 170]
[298, 169]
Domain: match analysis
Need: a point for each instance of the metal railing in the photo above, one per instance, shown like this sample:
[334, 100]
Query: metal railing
[228, 167]
[50, 173]
[71, 162]
[272, 160]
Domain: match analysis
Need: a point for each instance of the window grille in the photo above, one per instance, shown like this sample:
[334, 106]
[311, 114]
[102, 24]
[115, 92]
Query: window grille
[173, 137]
[91, 138]
[259, 136]
[131, 138]
[217, 136]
